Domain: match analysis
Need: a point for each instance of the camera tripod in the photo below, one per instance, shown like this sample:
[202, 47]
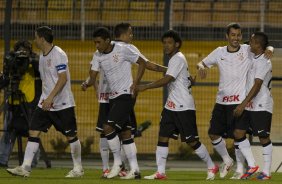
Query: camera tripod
[17, 102]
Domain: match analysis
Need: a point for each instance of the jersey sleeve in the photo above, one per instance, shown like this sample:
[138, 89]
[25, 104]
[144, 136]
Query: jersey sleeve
[95, 65]
[134, 48]
[61, 62]
[262, 68]
[212, 58]
[174, 67]
[130, 54]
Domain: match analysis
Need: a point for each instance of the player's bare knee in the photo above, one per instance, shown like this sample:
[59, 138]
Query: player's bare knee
[238, 134]
[34, 133]
[125, 134]
[214, 137]
[163, 139]
[264, 140]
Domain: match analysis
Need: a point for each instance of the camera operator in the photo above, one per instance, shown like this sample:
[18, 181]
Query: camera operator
[23, 89]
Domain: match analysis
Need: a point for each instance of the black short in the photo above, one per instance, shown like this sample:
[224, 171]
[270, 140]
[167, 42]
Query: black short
[182, 122]
[63, 120]
[223, 122]
[120, 109]
[104, 109]
[259, 121]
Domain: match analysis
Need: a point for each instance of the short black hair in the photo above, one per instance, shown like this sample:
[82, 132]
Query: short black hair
[23, 43]
[262, 38]
[172, 34]
[45, 32]
[233, 25]
[102, 32]
[121, 29]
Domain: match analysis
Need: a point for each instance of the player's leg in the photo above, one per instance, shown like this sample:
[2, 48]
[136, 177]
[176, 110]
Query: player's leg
[218, 127]
[261, 125]
[120, 108]
[65, 122]
[240, 160]
[39, 122]
[241, 126]
[167, 129]
[104, 109]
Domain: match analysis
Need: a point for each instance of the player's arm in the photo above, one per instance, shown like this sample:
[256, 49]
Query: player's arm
[253, 92]
[62, 80]
[90, 81]
[155, 67]
[140, 72]
[202, 69]
[159, 83]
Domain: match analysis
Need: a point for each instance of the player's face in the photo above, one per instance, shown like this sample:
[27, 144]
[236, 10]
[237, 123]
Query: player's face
[255, 45]
[170, 46]
[101, 44]
[128, 36]
[234, 37]
[38, 41]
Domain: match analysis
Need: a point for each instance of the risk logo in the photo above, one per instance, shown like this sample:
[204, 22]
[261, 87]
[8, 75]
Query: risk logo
[232, 98]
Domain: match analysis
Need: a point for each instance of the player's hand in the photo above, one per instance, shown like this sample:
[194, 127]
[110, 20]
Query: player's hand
[133, 90]
[202, 73]
[47, 104]
[238, 110]
[84, 86]
[268, 54]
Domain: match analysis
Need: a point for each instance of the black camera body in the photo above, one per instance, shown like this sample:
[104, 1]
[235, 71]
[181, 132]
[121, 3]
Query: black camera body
[15, 66]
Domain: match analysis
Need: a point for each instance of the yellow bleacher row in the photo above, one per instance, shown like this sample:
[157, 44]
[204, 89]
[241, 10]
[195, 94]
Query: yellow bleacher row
[145, 13]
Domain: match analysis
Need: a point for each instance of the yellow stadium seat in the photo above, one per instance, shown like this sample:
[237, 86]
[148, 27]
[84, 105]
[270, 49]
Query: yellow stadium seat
[116, 4]
[59, 11]
[226, 6]
[148, 5]
[111, 17]
[142, 18]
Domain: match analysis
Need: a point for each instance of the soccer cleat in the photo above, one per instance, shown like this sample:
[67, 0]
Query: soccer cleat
[105, 173]
[131, 175]
[263, 176]
[156, 176]
[225, 168]
[114, 171]
[212, 172]
[236, 176]
[123, 172]
[142, 127]
[75, 174]
[250, 171]
[19, 171]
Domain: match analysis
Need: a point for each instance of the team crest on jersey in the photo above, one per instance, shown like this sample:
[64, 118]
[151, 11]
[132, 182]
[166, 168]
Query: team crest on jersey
[240, 56]
[49, 62]
[115, 58]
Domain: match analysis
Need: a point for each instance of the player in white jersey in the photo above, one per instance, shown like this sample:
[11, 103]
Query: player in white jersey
[115, 60]
[259, 102]
[233, 62]
[179, 114]
[56, 105]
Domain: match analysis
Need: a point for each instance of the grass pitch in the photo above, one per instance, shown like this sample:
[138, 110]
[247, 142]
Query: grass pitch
[92, 176]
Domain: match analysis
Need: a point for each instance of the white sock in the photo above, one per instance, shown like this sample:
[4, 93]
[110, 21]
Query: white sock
[245, 148]
[161, 157]
[114, 145]
[76, 155]
[220, 146]
[30, 150]
[131, 154]
[104, 151]
[240, 160]
[267, 158]
[203, 153]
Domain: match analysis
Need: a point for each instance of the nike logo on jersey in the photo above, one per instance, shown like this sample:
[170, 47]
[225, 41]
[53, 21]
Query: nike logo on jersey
[221, 59]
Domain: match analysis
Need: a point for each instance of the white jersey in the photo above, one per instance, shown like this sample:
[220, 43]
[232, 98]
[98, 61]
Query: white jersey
[233, 68]
[261, 69]
[132, 47]
[179, 92]
[50, 65]
[117, 68]
[103, 87]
